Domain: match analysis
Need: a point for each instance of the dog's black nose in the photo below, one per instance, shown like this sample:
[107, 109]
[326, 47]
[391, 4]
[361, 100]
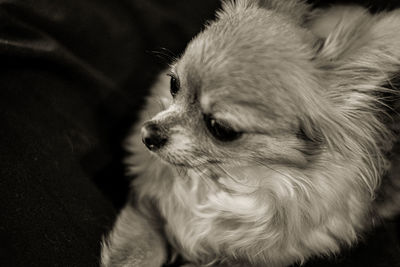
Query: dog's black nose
[152, 136]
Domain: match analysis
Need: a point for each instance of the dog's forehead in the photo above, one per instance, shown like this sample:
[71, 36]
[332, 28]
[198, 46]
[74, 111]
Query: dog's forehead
[247, 61]
[248, 35]
[232, 84]
[242, 48]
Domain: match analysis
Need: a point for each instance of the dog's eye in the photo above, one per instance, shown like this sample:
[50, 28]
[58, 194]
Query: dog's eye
[174, 85]
[221, 131]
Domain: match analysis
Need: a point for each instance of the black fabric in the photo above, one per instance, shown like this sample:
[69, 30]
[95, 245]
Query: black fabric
[73, 75]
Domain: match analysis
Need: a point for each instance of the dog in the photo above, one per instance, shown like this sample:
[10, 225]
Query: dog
[274, 142]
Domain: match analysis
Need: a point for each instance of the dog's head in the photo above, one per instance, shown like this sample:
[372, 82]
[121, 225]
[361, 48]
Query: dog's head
[252, 89]
[238, 93]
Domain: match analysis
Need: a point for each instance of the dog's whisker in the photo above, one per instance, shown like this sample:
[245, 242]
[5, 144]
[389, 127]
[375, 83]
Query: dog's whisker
[164, 54]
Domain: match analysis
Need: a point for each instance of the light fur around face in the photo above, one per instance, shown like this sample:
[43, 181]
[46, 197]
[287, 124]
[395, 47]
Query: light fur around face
[304, 88]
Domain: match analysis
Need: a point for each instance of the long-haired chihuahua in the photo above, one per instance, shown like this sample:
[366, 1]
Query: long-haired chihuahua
[275, 140]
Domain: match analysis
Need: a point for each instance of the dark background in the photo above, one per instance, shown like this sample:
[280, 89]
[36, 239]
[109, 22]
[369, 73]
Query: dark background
[73, 75]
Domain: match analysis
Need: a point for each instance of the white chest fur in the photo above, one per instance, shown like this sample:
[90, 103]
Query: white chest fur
[233, 220]
[208, 220]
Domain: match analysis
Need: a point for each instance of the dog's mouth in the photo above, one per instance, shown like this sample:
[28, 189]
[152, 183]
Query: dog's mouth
[187, 163]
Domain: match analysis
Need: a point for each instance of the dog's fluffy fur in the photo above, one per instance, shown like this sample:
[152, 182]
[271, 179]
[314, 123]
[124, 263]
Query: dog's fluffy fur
[306, 90]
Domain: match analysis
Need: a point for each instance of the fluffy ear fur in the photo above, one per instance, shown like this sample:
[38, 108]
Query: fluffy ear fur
[358, 55]
[359, 52]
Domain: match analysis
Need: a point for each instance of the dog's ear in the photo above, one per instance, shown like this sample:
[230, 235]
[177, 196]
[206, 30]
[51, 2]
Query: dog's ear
[342, 30]
[356, 48]
[294, 9]
[359, 54]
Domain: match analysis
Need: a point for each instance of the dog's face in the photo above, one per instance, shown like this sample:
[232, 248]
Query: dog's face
[240, 95]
